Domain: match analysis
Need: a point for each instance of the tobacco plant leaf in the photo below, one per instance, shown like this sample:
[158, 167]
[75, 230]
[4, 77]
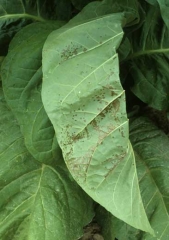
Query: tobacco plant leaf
[152, 158]
[22, 80]
[101, 8]
[151, 151]
[149, 59]
[106, 221]
[84, 99]
[15, 14]
[79, 4]
[37, 201]
[164, 8]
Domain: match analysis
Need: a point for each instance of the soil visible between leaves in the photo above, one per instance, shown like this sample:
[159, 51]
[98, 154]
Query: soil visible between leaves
[92, 232]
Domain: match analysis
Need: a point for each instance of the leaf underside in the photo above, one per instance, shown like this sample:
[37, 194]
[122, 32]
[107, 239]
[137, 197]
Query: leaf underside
[83, 97]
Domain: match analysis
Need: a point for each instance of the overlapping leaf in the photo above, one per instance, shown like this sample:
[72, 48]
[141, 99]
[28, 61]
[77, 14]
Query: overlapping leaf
[84, 99]
[15, 14]
[152, 155]
[151, 151]
[100, 8]
[107, 223]
[79, 4]
[37, 201]
[22, 79]
[164, 8]
[149, 59]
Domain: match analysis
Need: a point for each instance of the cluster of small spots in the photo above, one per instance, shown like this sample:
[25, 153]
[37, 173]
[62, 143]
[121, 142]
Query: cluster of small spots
[72, 50]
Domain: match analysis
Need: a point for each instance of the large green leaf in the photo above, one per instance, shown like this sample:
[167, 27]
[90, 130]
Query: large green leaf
[152, 155]
[37, 201]
[15, 14]
[22, 78]
[149, 59]
[84, 99]
[152, 160]
[164, 7]
[97, 8]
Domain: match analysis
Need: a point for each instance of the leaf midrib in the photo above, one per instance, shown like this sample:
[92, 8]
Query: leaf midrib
[148, 52]
[22, 15]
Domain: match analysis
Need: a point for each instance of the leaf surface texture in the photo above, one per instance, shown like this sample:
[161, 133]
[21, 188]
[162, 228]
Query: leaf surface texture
[151, 150]
[149, 58]
[37, 201]
[22, 80]
[84, 99]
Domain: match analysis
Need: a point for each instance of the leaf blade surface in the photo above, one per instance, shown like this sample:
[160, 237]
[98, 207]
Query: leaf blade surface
[37, 201]
[151, 152]
[147, 63]
[84, 99]
[22, 87]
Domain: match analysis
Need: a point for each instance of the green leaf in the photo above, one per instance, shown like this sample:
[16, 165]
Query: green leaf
[37, 201]
[151, 168]
[124, 231]
[79, 4]
[22, 80]
[164, 7]
[105, 220]
[84, 99]
[97, 8]
[152, 158]
[152, 161]
[61, 8]
[15, 14]
[149, 59]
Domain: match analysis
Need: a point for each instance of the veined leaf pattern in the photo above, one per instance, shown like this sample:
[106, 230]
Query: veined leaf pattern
[37, 201]
[149, 58]
[151, 151]
[84, 99]
[16, 14]
[22, 80]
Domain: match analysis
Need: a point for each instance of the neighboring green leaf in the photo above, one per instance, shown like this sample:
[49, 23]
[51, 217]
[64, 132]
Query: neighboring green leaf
[152, 155]
[152, 161]
[15, 14]
[84, 99]
[151, 1]
[157, 207]
[97, 8]
[125, 232]
[149, 59]
[62, 9]
[105, 220]
[37, 201]
[22, 79]
[164, 7]
[79, 4]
